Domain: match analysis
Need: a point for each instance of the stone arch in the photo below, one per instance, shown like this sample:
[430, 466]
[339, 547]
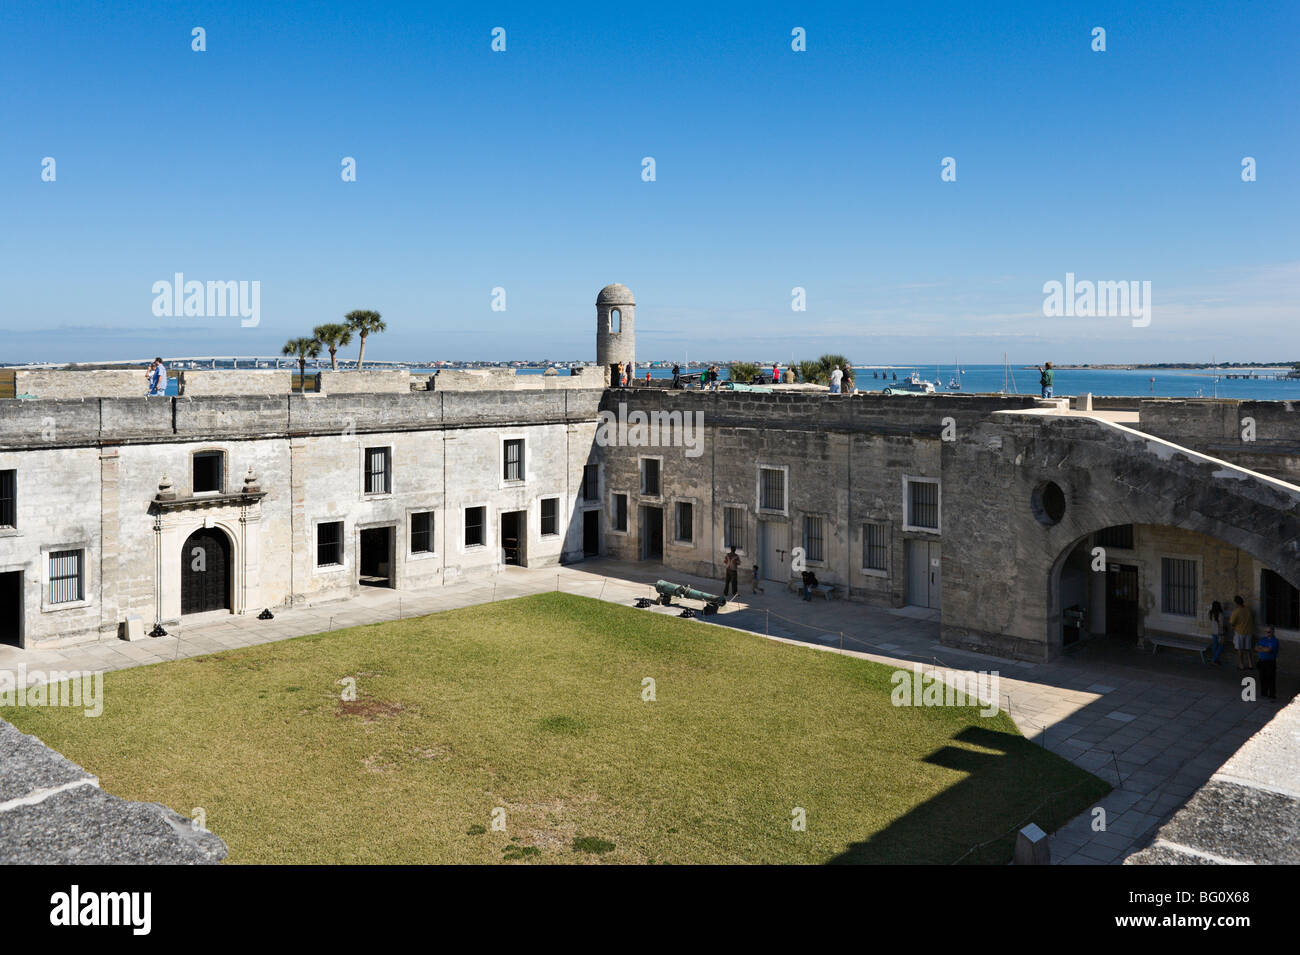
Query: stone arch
[1001, 560]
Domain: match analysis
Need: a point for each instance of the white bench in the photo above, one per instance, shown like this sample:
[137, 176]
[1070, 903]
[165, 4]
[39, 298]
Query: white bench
[1176, 642]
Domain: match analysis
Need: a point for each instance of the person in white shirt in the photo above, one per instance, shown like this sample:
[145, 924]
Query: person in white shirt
[157, 377]
[837, 376]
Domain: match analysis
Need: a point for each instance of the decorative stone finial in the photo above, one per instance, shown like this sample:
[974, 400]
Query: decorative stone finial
[250, 482]
[165, 491]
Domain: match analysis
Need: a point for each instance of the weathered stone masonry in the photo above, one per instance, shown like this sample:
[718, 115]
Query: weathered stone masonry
[111, 478]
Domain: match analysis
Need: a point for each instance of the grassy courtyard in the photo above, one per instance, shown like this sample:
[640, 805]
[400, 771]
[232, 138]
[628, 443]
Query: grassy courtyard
[534, 706]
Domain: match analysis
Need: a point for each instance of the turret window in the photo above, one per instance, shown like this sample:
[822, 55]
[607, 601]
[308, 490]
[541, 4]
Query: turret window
[615, 320]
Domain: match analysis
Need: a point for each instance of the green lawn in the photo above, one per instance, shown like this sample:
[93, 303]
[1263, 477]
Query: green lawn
[535, 706]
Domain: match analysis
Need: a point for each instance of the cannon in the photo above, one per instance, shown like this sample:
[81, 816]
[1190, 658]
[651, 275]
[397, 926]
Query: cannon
[667, 591]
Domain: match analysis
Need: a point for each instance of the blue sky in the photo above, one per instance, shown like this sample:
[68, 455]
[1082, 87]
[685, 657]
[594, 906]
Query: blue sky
[775, 169]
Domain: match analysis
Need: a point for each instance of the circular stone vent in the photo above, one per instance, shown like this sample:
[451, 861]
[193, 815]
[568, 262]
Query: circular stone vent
[1048, 503]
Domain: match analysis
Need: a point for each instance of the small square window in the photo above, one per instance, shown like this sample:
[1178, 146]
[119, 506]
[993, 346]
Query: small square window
[9, 498]
[923, 504]
[208, 468]
[65, 576]
[771, 489]
[685, 522]
[1178, 586]
[514, 460]
[813, 543]
[550, 516]
[733, 528]
[875, 554]
[650, 477]
[329, 544]
[475, 526]
[378, 470]
[422, 532]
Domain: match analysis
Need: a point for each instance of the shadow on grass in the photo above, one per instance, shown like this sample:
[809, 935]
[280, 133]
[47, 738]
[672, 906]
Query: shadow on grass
[1011, 777]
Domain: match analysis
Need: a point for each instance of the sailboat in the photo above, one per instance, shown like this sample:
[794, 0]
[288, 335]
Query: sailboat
[1007, 372]
[955, 383]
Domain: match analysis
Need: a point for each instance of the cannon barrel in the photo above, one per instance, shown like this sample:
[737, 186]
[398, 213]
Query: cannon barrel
[667, 589]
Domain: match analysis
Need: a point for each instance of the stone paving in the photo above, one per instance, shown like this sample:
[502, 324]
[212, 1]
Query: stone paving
[1157, 727]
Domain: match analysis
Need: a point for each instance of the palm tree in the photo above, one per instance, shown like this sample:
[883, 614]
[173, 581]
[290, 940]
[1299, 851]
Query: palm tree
[829, 362]
[365, 324]
[304, 348]
[333, 335]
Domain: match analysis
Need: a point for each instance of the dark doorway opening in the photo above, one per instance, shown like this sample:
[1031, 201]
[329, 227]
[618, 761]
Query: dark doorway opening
[205, 572]
[376, 568]
[652, 533]
[1123, 605]
[590, 533]
[513, 526]
[615, 379]
[11, 608]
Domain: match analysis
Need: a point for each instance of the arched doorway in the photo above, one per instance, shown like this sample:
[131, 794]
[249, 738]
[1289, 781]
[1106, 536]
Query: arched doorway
[205, 571]
[1128, 581]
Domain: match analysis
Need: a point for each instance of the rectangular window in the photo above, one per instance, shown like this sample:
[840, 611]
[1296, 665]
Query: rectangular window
[329, 544]
[685, 521]
[208, 466]
[8, 498]
[1178, 586]
[771, 489]
[733, 528]
[550, 516]
[475, 526]
[422, 532]
[65, 576]
[1119, 537]
[1279, 601]
[923, 504]
[650, 477]
[875, 555]
[377, 471]
[591, 482]
[620, 512]
[813, 548]
[514, 460]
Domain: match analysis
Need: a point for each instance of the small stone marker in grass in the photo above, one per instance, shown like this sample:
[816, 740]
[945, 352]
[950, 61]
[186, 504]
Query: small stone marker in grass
[1032, 847]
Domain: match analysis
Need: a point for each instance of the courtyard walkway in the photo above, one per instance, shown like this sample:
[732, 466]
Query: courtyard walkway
[1156, 727]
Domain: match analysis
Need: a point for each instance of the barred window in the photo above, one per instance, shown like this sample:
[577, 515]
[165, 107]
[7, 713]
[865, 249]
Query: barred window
[923, 504]
[875, 553]
[550, 516]
[771, 489]
[65, 576]
[620, 512]
[329, 544]
[1178, 586]
[377, 471]
[1119, 537]
[650, 477]
[422, 532]
[812, 538]
[733, 527]
[514, 460]
[1279, 600]
[475, 526]
[8, 498]
[685, 521]
[590, 482]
